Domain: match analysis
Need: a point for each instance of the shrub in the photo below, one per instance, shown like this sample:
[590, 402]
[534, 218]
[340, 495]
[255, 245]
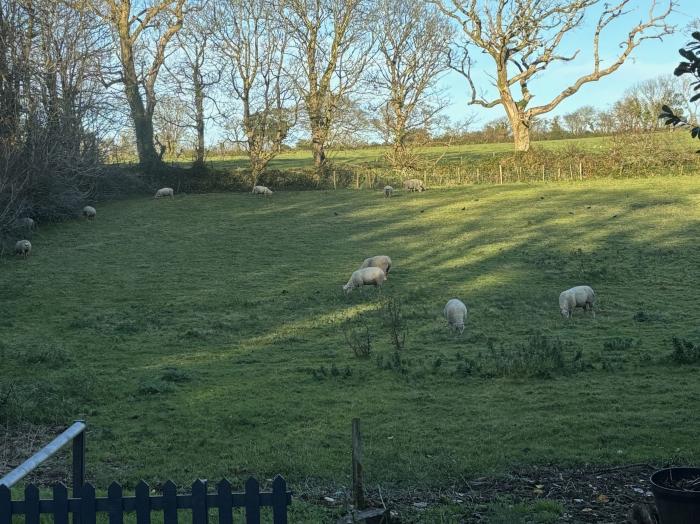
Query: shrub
[359, 339]
[540, 357]
[618, 344]
[685, 351]
[394, 320]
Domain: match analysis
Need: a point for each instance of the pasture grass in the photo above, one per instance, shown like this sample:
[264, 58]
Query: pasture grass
[202, 337]
[457, 154]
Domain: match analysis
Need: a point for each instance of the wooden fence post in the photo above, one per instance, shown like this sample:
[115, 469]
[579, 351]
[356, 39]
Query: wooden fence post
[580, 170]
[358, 492]
[335, 186]
[357, 180]
[500, 172]
[478, 176]
[542, 172]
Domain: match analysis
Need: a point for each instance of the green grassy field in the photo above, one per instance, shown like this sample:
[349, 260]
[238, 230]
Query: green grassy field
[203, 336]
[455, 154]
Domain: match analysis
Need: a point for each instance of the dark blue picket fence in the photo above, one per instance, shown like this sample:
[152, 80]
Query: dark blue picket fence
[86, 507]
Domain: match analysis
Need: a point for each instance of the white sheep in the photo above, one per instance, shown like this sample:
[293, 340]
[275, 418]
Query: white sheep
[89, 212]
[383, 262]
[413, 184]
[388, 191]
[23, 247]
[456, 314]
[579, 296]
[165, 192]
[262, 190]
[365, 277]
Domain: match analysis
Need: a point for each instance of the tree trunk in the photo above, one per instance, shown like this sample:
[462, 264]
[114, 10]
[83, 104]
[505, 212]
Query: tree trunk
[199, 120]
[318, 143]
[142, 118]
[521, 134]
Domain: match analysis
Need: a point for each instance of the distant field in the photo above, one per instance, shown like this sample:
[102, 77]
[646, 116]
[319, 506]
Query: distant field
[464, 154]
[203, 336]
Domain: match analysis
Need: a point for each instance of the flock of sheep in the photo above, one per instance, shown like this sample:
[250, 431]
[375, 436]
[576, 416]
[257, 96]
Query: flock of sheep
[24, 247]
[374, 270]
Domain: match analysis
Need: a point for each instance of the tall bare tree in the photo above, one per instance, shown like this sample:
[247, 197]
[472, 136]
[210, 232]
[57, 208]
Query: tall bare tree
[331, 45]
[523, 38]
[253, 44]
[193, 73]
[142, 31]
[49, 108]
[413, 42]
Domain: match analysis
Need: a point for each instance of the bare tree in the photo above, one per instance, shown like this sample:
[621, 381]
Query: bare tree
[142, 32]
[49, 103]
[331, 46]
[253, 43]
[193, 73]
[413, 41]
[524, 37]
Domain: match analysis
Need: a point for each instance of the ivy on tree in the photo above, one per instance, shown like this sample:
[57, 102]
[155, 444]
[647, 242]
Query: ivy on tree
[691, 53]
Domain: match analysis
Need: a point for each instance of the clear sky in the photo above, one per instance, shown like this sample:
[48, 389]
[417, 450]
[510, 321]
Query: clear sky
[652, 58]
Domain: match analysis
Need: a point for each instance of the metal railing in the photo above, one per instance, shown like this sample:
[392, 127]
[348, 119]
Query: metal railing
[76, 434]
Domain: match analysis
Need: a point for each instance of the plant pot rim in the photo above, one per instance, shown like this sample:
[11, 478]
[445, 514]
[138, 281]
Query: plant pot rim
[659, 489]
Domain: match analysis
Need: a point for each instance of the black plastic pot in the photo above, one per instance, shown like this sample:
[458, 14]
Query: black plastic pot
[676, 506]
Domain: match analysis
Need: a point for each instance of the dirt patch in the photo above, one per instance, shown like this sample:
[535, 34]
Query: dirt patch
[18, 443]
[600, 495]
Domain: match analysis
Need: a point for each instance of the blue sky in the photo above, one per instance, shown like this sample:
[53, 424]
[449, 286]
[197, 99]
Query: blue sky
[652, 58]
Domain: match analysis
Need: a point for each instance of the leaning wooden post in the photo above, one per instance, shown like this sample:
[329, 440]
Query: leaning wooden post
[358, 492]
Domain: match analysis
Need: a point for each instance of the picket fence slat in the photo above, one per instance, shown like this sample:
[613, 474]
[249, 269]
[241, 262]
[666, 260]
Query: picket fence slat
[279, 500]
[252, 501]
[223, 490]
[5, 505]
[199, 502]
[60, 504]
[143, 504]
[169, 503]
[31, 500]
[88, 510]
[115, 504]
[114, 501]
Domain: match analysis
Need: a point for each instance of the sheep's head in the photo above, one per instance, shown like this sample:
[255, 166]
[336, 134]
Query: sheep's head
[565, 313]
[347, 288]
[460, 327]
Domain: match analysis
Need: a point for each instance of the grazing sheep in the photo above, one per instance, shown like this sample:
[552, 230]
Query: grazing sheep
[456, 314]
[262, 190]
[579, 296]
[89, 212]
[26, 223]
[383, 262]
[165, 192]
[413, 184]
[23, 247]
[388, 191]
[365, 277]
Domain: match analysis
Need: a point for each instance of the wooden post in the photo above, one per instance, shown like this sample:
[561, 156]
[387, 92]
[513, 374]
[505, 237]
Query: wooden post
[335, 186]
[542, 172]
[500, 172]
[559, 173]
[580, 170]
[357, 180]
[358, 491]
[478, 176]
